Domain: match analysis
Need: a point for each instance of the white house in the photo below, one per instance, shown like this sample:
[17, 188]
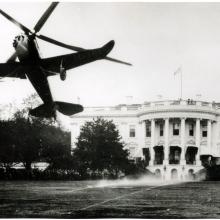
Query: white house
[177, 136]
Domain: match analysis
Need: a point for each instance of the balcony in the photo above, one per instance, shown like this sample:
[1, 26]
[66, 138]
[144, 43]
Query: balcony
[188, 102]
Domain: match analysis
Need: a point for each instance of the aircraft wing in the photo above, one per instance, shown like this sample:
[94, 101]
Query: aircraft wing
[69, 61]
[15, 70]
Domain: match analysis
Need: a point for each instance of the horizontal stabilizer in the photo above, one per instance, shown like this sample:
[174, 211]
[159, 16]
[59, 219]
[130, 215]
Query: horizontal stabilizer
[43, 111]
[68, 108]
[49, 111]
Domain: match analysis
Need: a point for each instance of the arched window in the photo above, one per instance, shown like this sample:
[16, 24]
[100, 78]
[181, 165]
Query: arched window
[174, 174]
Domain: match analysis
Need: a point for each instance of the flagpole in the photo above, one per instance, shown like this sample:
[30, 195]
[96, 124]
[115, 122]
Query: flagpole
[179, 71]
[181, 84]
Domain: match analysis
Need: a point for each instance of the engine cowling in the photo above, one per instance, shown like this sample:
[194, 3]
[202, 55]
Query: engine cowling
[62, 73]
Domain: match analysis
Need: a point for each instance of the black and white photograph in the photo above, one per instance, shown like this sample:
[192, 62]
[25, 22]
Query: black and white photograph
[109, 110]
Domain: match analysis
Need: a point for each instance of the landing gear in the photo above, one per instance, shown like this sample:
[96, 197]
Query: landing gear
[62, 71]
[62, 74]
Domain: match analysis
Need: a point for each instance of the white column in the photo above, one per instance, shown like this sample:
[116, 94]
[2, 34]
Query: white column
[152, 142]
[209, 135]
[142, 136]
[198, 162]
[182, 141]
[166, 140]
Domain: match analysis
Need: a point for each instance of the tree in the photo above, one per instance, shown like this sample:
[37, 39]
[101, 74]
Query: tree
[39, 140]
[99, 148]
[27, 133]
[8, 154]
[56, 147]
[26, 138]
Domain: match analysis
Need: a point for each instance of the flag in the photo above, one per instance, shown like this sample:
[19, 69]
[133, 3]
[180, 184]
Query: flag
[178, 71]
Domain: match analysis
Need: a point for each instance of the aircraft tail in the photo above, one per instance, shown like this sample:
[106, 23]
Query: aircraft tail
[43, 111]
[48, 111]
[68, 108]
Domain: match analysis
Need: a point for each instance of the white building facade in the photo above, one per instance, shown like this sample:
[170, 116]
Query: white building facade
[176, 137]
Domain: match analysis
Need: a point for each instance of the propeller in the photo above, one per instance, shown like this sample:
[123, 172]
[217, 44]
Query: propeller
[38, 27]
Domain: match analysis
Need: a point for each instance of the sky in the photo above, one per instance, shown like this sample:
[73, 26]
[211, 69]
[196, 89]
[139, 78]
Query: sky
[157, 38]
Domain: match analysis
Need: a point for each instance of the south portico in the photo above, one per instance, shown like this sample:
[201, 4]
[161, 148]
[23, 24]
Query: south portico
[174, 150]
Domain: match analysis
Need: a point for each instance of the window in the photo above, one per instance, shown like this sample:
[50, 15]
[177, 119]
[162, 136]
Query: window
[204, 131]
[132, 131]
[175, 129]
[148, 130]
[161, 129]
[191, 130]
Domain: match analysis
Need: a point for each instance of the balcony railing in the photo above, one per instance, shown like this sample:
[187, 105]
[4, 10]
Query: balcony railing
[155, 104]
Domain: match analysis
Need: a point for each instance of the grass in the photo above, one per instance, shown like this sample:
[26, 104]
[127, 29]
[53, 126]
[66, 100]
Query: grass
[84, 199]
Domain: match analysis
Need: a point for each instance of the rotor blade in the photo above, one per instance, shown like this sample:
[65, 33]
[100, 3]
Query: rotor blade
[45, 16]
[117, 61]
[18, 24]
[12, 58]
[78, 49]
[58, 43]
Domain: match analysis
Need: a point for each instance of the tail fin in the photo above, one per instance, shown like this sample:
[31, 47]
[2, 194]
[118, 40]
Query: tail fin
[48, 111]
